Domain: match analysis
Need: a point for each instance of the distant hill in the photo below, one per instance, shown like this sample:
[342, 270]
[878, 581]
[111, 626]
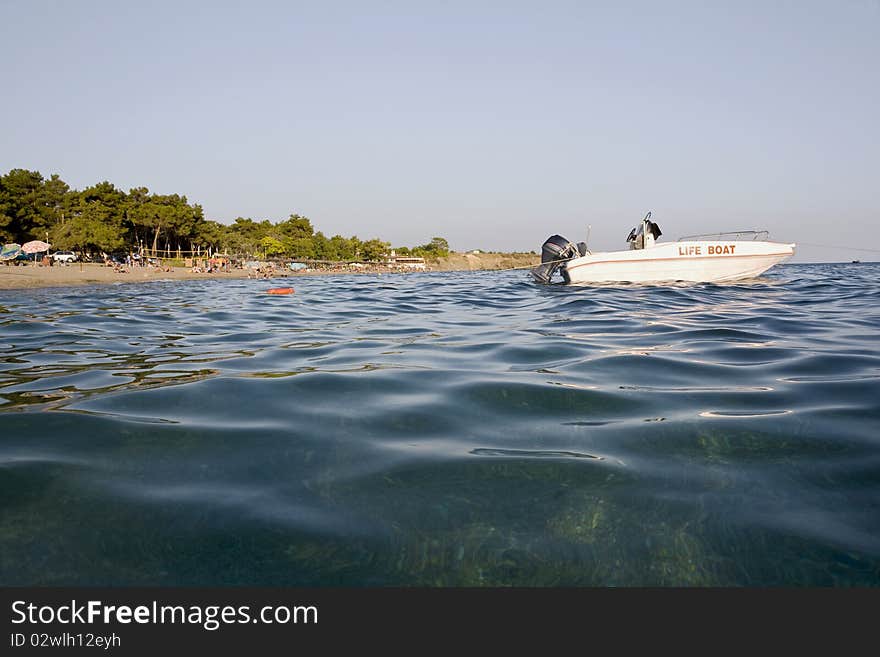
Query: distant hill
[476, 261]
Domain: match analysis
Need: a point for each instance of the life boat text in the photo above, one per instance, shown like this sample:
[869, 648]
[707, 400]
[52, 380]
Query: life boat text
[727, 249]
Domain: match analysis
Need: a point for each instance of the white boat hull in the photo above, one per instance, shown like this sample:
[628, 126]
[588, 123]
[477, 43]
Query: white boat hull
[695, 261]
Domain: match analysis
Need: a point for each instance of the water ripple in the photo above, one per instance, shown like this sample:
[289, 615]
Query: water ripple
[466, 428]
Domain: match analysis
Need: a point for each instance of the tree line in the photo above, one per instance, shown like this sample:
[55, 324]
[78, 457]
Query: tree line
[104, 218]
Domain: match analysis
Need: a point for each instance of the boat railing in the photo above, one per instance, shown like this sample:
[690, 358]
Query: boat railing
[753, 235]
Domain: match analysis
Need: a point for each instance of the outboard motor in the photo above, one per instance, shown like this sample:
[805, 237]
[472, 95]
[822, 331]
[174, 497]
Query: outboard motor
[554, 252]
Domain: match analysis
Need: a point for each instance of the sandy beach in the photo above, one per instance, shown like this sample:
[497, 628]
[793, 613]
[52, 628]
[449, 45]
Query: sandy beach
[29, 276]
[91, 274]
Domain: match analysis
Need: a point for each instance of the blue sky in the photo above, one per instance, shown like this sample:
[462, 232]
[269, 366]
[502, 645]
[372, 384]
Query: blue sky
[494, 124]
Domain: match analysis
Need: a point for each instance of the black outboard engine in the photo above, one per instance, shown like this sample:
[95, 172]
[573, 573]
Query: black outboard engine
[555, 251]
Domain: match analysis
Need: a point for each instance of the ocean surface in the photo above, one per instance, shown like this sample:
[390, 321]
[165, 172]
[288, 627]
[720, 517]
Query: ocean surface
[434, 429]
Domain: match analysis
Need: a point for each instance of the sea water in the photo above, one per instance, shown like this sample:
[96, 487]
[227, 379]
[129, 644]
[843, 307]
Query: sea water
[433, 429]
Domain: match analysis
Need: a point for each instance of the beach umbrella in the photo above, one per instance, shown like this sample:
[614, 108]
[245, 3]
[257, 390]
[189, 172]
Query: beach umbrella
[9, 251]
[36, 246]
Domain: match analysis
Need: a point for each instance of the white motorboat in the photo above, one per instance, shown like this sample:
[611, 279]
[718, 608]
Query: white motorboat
[710, 258]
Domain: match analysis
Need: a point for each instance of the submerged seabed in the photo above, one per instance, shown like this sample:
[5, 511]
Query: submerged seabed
[443, 429]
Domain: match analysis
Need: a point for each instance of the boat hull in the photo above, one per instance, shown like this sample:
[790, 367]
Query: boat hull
[693, 261]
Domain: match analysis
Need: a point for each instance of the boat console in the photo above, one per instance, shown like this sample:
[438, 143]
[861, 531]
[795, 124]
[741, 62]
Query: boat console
[644, 235]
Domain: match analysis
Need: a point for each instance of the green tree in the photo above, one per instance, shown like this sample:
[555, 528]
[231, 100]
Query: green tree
[341, 248]
[295, 227]
[299, 247]
[7, 214]
[271, 246]
[106, 218]
[170, 215]
[97, 220]
[210, 234]
[439, 246]
[139, 213]
[374, 250]
[53, 200]
[352, 248]
[20, 216]
[321, 246]
[245, 235]
[93, 228]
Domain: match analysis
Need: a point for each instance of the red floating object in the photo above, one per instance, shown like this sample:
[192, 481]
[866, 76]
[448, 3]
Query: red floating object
[280, 290]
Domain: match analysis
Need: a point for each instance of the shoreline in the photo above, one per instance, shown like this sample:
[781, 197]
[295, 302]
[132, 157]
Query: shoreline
[30, 277]
[79, 274]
